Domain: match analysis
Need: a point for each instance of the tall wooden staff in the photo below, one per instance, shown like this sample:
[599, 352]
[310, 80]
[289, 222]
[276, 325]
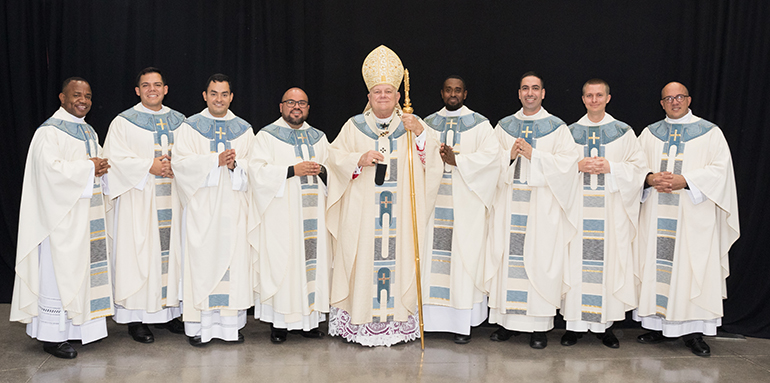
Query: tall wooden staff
[408, 109]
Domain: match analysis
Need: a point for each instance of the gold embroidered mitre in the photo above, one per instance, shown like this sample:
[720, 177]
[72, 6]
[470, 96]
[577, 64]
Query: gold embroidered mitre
[382, 66]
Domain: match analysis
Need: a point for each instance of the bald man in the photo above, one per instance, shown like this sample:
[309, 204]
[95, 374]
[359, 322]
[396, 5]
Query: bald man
[286, 222]
[687, 224]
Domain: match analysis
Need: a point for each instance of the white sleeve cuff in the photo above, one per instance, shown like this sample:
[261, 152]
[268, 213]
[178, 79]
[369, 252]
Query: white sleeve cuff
[140, 185]
[695, 195]
[420, 140]
[212, 179]
[89, 190]
[239, 178]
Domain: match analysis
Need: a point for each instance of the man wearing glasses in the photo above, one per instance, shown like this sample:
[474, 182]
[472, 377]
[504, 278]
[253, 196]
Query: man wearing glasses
[688, 222]
[287, 222]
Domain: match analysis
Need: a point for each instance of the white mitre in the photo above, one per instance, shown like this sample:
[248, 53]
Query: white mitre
[382, 66]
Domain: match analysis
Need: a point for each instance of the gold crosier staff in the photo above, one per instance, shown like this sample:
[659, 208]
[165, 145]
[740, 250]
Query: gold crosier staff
[408, 109]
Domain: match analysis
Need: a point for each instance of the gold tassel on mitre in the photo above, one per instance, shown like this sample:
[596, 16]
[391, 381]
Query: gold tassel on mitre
[382, 66]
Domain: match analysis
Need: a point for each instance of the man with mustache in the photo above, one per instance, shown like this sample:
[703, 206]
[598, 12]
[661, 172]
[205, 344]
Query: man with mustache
[532, 219]
[288, 226]
[688, 222]
[453, 280]
[62, 288]
[211, 154]
[143, 214]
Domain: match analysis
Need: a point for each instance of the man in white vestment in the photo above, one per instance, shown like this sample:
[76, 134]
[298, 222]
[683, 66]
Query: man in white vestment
[600, 267]
[453, 290]
[688, 222]
[143, 213]
[374, 287]
[62, 288]
[287, 224]
[532, 222]
[211, 155]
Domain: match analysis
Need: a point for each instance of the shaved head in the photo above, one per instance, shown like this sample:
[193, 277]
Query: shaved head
[674, 88]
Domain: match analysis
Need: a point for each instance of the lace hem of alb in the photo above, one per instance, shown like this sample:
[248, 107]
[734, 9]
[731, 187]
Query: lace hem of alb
[372, 334]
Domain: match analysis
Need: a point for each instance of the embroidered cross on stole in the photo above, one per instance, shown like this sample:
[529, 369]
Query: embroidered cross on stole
[593, 232]
[100, 291]
[517, 282]
[672, 158]
[164, 141]
[443, 223]
[385, 230]
[304, 151]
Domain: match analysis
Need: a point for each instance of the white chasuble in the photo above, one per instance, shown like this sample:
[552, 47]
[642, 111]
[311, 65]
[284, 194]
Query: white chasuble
[287, 227]
[143, 215]
[600, 268]
[683, 245]
[533, 222]
[217, 259]
[373, 282]
[61, 228]
[457, 233]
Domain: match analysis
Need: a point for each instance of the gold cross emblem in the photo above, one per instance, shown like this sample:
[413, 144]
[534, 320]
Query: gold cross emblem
[451, 123]
[526, 132]
[220, 132]
[675, 135]
[594, 138]
[162, 124]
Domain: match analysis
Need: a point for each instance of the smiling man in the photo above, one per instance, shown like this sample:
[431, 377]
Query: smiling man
[688, 222]
[374, 293]
[453, 278]
[143, 215]
[62, 287]
[287, 221]
[600, 268]
[211, 154]
[532, 221]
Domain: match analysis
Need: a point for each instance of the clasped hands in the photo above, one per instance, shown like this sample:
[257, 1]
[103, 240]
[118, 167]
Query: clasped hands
[666, 182]
[100, 166]
[307, 168]
[521, 147]
[594, 165]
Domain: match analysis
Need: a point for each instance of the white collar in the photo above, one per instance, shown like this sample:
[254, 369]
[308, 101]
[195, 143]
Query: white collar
[140, 107]
[585, 121]
[281, 122]
[64, 115]
[686, 119]
[542, 113]
[228, 116]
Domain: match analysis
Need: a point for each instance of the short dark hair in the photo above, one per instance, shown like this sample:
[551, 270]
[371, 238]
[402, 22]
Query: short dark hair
[531, 73]
[596, 81]
[456, 77]
[71, 79]
[218, 77]
[150, 69]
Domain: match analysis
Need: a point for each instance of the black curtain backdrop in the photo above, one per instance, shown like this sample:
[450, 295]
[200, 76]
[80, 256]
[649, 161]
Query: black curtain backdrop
[719, 49]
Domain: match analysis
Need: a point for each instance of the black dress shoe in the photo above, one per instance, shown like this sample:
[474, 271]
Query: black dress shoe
[140, 332]
[570, 338]
[313, 334]
[502, 334]
[698, 346]
[241, 339]
[278, 335]
[609, 339]
[175, 325]
[62, 350]
[538, 340]
[462, 339]
[652, 337]
[196, 341]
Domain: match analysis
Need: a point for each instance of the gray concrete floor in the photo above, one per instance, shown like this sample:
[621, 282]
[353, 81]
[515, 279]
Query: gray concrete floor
[119, 359]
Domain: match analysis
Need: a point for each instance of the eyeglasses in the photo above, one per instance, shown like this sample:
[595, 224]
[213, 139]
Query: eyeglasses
[291, 103]
[678, 97]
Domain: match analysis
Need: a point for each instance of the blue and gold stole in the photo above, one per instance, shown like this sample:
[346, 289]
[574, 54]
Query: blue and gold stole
[674, 136]
[100, 286]
[517, 284]
[303, 141]
[594, 139]
[386, 201]
[163, 126]
[450, 129]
